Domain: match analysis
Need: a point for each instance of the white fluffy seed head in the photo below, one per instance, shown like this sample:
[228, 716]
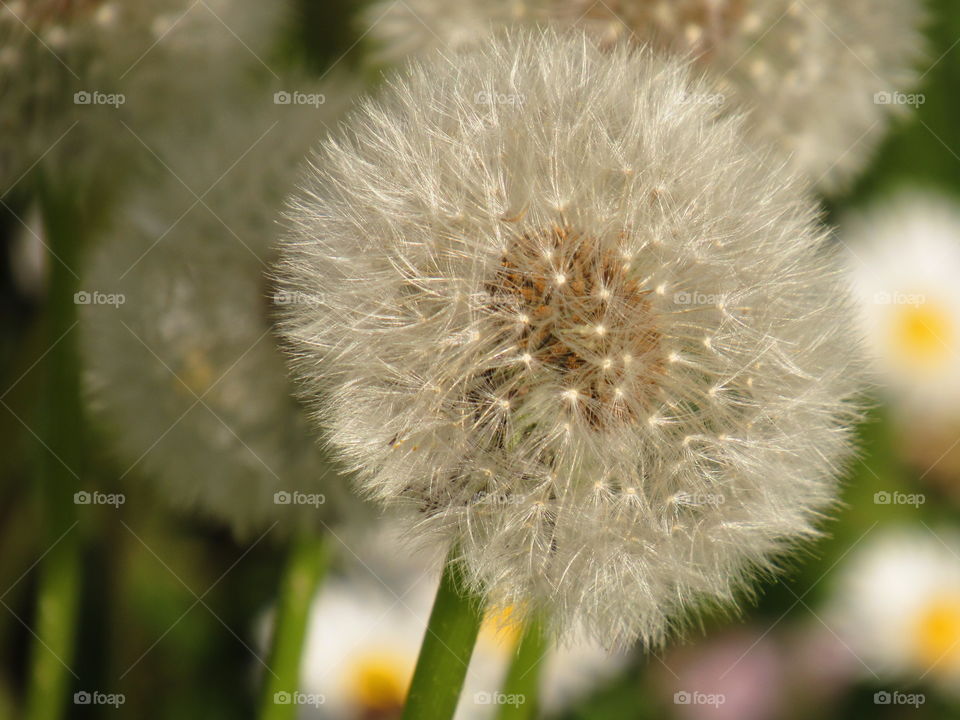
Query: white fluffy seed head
[182, 368]
[821, 78]
[613, 479]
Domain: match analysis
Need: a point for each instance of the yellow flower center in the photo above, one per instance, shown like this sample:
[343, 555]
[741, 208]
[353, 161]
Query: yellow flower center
[922, 335]
[501, 628]
[938, 632]
[379, 681]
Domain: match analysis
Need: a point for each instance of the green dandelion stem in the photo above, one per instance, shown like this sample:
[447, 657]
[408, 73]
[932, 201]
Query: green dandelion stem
[446, 650]
[520, 697]
[60, 468]
[304, 570]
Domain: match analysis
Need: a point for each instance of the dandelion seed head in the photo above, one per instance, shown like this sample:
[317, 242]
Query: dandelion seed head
[421, 193]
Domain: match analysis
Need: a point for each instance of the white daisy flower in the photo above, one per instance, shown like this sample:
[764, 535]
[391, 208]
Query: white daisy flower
[177, 343]
[904, 257]
[586, 336]
[896, 603]
[822, 78]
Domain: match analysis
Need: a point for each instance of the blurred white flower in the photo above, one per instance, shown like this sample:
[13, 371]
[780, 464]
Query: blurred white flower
[896, 603]
[585, 335]
[904, 258]
[180, 359]
[361, 648]
[821, 77]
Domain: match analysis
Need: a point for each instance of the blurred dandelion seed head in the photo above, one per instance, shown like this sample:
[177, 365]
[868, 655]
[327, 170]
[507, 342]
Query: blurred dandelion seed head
[820, 79]
[186, 375]
[105, 74]
[591, 338]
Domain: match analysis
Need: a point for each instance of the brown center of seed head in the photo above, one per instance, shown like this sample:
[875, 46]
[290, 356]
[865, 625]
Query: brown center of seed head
[578, 314]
